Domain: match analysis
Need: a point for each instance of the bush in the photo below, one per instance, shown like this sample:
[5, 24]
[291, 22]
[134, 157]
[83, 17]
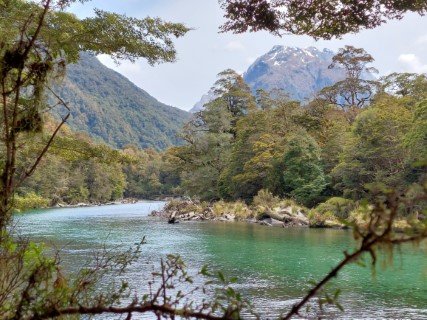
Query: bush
[239, 209]
[265, 198]
[336, 207]
[29, 201]
[183, 206]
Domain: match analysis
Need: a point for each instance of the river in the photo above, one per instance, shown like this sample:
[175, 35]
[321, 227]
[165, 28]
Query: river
[274, 265]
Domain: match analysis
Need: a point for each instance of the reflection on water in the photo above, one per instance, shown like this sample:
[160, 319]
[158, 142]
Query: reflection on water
[274, 265]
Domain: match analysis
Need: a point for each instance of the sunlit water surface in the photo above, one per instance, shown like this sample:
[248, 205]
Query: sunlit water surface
[274, 265]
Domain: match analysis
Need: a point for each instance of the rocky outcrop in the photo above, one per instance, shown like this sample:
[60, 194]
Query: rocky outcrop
[187, 210]
[178, 213]
[284, 217]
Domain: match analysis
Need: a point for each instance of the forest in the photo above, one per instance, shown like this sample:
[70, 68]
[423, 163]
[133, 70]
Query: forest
[352, 138]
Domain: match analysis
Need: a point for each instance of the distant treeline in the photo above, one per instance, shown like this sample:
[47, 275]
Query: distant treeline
[79, 170]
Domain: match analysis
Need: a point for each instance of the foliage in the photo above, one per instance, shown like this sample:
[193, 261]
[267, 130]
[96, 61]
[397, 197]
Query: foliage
[266, 199]
[335, 207]
[29, 201]
[354, 92]
[232, 89]
[79, 170]
[210, 134]
[319, 19]
[377, 134]
[410, 85]
[238, 209]
[303, 174]
[311, 153]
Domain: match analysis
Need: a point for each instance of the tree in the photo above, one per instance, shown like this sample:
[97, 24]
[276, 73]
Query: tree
[410, 85]
[375, 151]
[259, 143]
[210, 134]
[233, 90]
[242, 176]
[208, 137]
[38, 40]
[320, 19]
[303, 175]
[353, 92]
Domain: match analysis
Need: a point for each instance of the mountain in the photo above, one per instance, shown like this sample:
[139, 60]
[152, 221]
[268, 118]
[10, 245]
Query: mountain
[112, 109]
[299, 72]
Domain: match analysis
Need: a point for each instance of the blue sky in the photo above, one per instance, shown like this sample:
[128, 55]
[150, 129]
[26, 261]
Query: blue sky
[398, 46]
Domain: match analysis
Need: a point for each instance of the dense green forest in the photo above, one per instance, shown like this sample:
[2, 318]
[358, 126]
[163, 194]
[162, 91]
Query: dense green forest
[78, 170]
[331, 146]
[354, 137]
[113, 110]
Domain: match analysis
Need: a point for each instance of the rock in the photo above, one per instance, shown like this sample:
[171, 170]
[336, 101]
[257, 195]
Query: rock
[265, 223]
[332, 224]
[283, 211]
[267, 219]
[172, 220]
[302, 218]
[295, 221]
[81, 204]
[229, 216]
[275, 215]
[276, 223]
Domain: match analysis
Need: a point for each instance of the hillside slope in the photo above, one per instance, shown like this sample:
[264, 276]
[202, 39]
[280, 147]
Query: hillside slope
[112, 109]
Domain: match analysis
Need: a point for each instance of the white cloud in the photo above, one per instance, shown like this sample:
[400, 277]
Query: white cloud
[234, 46]
[411, 63]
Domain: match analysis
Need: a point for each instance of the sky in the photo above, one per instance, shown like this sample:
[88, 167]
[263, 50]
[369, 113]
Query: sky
[398, 46]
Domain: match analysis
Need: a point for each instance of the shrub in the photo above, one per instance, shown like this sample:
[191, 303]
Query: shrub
[29, 201]
[239, 209]
[265, 198]
[336, 207]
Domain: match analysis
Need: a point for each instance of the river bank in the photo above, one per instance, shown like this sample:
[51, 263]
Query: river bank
[284, 214]
[90, 204]
[336, 213]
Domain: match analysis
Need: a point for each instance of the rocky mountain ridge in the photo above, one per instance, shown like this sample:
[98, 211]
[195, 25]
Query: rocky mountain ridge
[300, 72]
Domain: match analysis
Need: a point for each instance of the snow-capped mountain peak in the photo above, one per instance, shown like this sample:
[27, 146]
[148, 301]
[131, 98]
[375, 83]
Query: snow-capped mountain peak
[298, 71]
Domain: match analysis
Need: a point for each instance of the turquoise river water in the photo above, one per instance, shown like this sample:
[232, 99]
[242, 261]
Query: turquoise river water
[274, 265]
